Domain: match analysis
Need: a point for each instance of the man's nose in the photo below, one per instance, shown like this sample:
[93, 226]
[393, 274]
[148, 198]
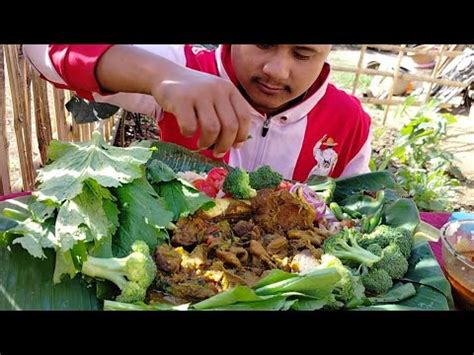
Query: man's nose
[277, 68]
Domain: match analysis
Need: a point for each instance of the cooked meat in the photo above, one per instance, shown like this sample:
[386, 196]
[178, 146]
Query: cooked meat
[280, 211]
[242, 227]
[278, 246]
[228, 258]
[238, 244]
[310, 235]
[225, 278]
[191, 231]
[238, 209]
[230, 280]
[295, 245]
[193, 290]
[259, 251]
[227, 209]
[240, 252]
[213, 242]
[167, 259]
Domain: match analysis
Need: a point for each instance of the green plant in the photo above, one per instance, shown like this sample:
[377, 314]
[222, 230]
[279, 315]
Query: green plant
[420, 164]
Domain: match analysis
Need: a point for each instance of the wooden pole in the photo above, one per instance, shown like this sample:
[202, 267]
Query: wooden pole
[434, 74]
[404, 76]
[403, 48]
[26, 86]
[359, 66]
[392, 101]
[46, 111]
[61, 122]
[396, 75]
[19, 115]
[43, 123]
[5, 187]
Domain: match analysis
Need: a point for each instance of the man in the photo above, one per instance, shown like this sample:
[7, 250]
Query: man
[251, 104]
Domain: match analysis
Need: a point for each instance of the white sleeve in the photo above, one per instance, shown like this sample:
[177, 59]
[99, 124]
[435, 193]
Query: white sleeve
[360, 163]
[141, 103]
[38, 56]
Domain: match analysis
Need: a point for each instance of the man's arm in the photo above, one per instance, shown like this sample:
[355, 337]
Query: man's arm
[198, 100]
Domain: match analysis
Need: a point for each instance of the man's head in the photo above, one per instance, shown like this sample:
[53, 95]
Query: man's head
[274, 75]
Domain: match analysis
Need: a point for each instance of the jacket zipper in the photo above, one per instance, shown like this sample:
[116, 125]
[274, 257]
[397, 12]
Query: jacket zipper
[266, 126]
[262, 144]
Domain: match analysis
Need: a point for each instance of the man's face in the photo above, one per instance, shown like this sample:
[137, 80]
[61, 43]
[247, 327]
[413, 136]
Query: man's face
[273, 75]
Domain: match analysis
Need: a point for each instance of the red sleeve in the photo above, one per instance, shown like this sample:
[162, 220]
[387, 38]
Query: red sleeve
[76, 65]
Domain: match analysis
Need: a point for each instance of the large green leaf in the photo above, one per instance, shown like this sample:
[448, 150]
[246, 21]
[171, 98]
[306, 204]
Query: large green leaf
[143, 217]
[402, 213]
[182, 199]
[85, 215]
[426, 298]
[181, 159]
[433, 289]
[27, 283]
[235, 295]
[375, 181]
[96, 159]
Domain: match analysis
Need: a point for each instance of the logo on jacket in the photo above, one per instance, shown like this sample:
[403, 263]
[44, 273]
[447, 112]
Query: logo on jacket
[196, 49]
[326, 158]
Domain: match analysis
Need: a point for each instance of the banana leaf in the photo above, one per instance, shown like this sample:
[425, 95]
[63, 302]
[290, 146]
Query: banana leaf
[181, 159]
[26, 283]
[372, 182]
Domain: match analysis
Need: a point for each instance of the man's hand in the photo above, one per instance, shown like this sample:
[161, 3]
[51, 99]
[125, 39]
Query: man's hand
[210, 103]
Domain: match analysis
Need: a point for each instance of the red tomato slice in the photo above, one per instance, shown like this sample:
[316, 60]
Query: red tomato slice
[216, 177]
[206, 187]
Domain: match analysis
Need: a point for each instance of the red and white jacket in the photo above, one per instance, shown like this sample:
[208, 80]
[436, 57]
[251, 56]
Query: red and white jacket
[327, 134]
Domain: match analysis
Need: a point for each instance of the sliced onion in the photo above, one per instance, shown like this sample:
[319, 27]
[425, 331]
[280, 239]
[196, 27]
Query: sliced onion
[312, 198]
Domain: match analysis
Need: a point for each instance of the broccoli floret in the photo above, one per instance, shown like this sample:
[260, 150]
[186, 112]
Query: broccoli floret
[393, 262]
[344, 246]
[349, 289]
[375, 249]
[383, 235]
[377, 281]
[132, 274]
[404, 240]
[237, 183]
[265, 178]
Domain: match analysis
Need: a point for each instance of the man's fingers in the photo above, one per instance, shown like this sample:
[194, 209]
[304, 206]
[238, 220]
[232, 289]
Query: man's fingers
[209, 123]
[243, 112]
[229, 126]
[187, 120]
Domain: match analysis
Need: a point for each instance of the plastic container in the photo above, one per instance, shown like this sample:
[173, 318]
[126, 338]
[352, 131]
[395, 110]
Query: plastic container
[458, 255]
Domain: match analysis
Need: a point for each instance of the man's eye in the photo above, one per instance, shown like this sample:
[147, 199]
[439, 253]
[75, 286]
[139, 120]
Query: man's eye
[301, 56]
[265, 46]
